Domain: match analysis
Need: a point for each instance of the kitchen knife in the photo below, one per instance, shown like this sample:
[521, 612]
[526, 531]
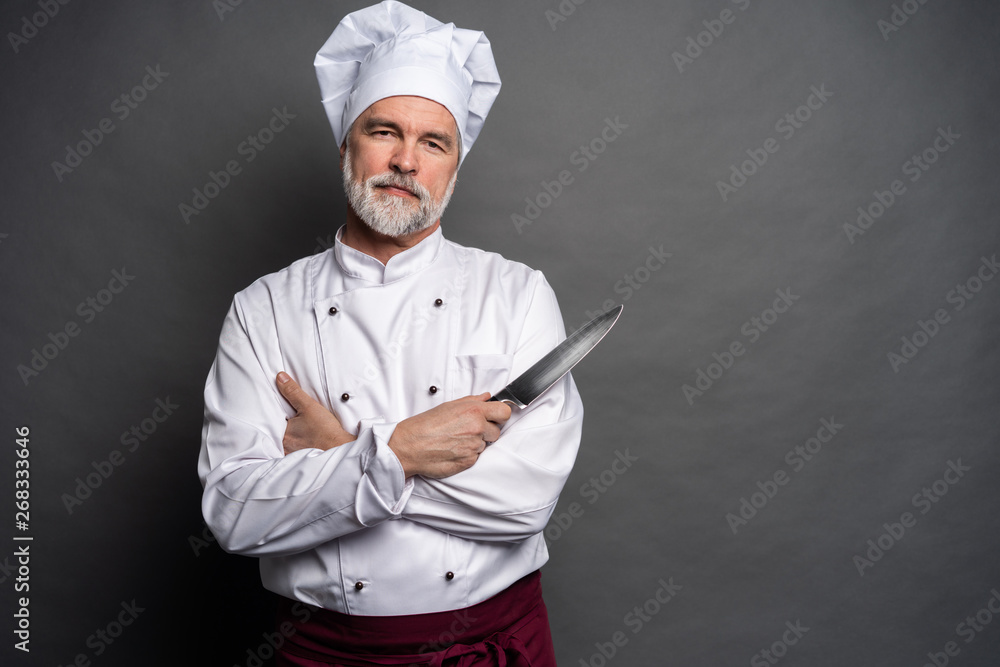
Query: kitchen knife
[533, 382]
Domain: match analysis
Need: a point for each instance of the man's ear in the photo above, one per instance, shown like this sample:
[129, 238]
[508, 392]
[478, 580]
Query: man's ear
[343, 149]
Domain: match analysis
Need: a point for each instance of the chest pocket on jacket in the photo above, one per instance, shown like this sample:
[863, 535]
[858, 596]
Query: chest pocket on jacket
[477, 373]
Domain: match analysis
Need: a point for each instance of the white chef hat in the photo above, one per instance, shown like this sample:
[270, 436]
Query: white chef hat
[391, 49]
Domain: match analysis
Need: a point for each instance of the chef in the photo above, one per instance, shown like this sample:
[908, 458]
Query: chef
[348, 440]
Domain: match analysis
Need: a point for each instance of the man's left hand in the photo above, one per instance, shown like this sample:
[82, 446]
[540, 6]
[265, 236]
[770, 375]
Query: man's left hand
[313, 426]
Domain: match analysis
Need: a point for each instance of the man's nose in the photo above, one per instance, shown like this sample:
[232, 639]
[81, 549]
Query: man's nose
[404, 160]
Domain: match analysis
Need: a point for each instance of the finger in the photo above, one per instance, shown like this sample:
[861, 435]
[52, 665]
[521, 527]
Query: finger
[475, 398]
[491, 433]
[496, 412]
[292, 392]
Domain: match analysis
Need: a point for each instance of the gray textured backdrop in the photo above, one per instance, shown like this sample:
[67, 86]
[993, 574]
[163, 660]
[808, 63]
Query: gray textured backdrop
[790, 452]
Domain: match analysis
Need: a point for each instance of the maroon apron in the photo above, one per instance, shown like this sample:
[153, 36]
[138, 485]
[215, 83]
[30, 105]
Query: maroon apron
[511, 629]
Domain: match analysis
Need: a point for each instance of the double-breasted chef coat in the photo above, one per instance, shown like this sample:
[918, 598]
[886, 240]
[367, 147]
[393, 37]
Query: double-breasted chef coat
[374, 343]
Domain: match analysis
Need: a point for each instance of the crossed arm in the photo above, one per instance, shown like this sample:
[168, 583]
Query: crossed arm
[438, 443]
[432, 468]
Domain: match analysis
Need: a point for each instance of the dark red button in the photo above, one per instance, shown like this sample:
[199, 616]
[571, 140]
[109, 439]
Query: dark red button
[333, 311]
[449, 576]
[345, 396]
[438, 302]
[433, 389]
[358, 586]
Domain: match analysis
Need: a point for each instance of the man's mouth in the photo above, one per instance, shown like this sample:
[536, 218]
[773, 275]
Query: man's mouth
[398, 190]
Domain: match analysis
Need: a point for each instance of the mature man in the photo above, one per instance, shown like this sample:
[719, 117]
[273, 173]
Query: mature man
[380, 485]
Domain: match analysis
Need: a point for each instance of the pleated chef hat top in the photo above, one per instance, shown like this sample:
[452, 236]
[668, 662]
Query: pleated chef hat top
[392, 49]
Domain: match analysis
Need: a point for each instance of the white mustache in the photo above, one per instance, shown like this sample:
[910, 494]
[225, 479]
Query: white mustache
[407, 183]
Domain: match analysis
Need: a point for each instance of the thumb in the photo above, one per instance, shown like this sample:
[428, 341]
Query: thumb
[292, 392]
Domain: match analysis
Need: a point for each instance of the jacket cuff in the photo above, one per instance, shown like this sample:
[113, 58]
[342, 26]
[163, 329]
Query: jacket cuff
[383, 490]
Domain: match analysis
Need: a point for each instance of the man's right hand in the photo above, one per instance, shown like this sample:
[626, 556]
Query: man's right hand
[313, 426]
[449, 438]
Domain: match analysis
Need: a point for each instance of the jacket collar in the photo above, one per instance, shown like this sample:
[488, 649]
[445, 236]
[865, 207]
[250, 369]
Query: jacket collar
[357, 264]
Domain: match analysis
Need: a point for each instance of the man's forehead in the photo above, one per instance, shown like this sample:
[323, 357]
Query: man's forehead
[412, 113]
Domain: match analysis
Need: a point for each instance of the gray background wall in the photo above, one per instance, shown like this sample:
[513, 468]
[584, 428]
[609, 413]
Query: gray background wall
[717, 511]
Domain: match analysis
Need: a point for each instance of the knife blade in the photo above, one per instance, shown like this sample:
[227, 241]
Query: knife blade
[533, 382]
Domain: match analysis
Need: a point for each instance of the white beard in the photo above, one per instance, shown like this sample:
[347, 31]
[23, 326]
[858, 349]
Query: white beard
[389, 214]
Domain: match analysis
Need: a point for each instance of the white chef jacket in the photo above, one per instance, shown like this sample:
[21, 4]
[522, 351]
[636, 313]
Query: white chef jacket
[343, 529]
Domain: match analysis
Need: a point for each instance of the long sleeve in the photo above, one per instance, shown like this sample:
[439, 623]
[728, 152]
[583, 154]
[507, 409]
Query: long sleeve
[511, 491]
[258, 501]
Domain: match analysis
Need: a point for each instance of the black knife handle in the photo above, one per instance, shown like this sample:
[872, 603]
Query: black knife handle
[505, 396]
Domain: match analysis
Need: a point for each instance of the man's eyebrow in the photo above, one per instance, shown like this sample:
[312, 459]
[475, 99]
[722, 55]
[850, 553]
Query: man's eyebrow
[373, 122]
[443, 139]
